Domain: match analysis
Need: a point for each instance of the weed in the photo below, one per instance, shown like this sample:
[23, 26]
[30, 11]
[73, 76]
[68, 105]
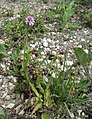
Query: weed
[74, 26]
[67, 10]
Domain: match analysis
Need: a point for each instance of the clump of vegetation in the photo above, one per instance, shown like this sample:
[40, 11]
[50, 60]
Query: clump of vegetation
[51, 91]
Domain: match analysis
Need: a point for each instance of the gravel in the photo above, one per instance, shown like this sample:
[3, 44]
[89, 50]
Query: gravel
[53, 42]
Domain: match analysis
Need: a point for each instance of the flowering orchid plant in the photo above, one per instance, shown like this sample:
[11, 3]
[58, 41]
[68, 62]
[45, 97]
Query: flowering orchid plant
[30, 21]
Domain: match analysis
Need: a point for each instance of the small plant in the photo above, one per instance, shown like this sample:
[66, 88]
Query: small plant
[16, 28]
[50, 15]
[84, 59]
[73, 26]
[67, 10]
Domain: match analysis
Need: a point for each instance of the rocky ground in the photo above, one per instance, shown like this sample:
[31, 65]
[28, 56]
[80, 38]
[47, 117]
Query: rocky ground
[53, 41]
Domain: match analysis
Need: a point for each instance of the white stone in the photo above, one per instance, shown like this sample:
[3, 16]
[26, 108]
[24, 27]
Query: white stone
[86, 32]
[57, 46]
[33, 56]
[69, 62]
[57, 61]
[52, 46]
[18, 108]
[36, 43]
[65, 43]
[42, 53]
[21, 112]
[74, 36]
[22, 51]
[72, 115]
[53, 52]
[49, 40]
[71, 41]
[83, 113]
[49, 61]
[7, 97]
[43, 57]
[28, 34]
[32, 45]
[79, 112]
[10, 84]
[78, 118]
[47, 49]
[44, 39]
[45, 44]
[79, 46]
[53, 33]
[5, 94]
[11, 105]
[41, 46]
[58, 65]
[3, 106]
[40, 60]
[82, 39]
[86, 51]
[17, 16]
[53, 75]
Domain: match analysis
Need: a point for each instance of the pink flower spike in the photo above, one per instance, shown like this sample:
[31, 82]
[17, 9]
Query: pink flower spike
[30, 21]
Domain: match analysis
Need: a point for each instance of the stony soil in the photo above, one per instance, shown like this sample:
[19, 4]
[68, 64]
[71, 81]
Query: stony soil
[53, 41]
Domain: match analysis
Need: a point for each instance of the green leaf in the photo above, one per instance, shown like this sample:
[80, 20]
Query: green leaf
[38, 106]
[41, 88]
[15, 54]
[3, 50]
[81, 56]
[82, 84]
[45, 116]
[34, 89]
[2, 114]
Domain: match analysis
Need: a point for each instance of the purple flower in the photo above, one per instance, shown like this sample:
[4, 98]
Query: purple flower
[30, 21]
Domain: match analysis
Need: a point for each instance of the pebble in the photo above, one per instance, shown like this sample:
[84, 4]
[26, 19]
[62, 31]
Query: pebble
[18, 108]
[8, 97]
[21, 112]
[53, 52]
[86, 51]
[49, 40]
[82, 39]
[45, 44]
[79, 112]
[69, 62]
[79, 46]
[11, 105]
[53, 75]
[4, 95]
